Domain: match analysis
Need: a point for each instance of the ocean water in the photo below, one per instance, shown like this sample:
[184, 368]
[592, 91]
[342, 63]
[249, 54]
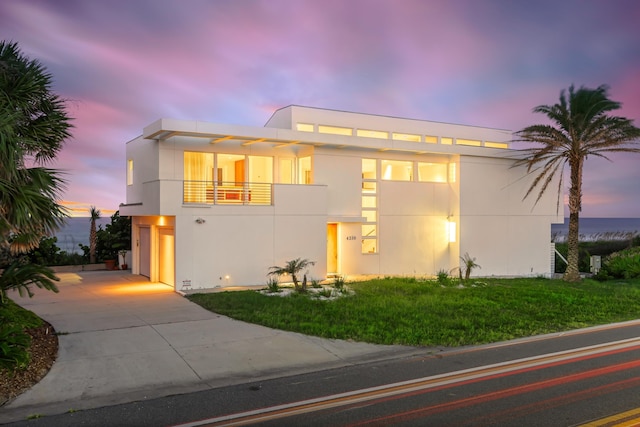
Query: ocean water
[598, 228]
[76, 231]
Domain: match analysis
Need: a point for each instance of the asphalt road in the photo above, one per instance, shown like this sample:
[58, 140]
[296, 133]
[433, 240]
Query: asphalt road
[559, 380]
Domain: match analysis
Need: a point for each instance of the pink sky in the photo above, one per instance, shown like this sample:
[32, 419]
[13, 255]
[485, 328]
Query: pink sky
[123, 64]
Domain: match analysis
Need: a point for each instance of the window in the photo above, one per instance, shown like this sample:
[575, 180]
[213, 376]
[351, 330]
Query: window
[369, 187]
[335, 130]
[406, 137]
[369, 245]
[286, 172]
[260, 169]
[304, 170]
[395, 170]
[369, 229]
[446, 141]
[431, 139]
[369, 201]
[372, 134]
[304, 127]
[496, 144]
[198, 168]
[130, 172]
[227, 178]
[369, 169]
[260, 173]
[230, 169]
[370, 216]
[432, 172]
[472, 142]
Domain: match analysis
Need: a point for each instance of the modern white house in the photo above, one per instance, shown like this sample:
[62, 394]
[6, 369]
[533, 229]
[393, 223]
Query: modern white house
[216, 205]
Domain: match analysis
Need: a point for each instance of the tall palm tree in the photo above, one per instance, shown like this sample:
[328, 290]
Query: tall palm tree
[33, 128]
[292, 268]
[580, 127]
[94, 214]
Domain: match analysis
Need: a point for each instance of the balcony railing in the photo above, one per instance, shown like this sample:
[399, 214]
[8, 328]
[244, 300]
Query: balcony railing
[227, 193]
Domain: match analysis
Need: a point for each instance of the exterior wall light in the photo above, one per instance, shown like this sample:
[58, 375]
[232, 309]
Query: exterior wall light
[451, 231]
[200, 220]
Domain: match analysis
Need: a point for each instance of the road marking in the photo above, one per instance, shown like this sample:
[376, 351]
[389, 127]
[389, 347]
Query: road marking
[625, 419]
[415, 385]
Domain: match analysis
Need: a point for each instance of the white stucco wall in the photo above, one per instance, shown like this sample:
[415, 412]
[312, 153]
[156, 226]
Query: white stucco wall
[506, 234]
[236, 245]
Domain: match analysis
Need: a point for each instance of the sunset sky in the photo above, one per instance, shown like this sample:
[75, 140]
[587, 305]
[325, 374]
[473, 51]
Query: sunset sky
[122, 64]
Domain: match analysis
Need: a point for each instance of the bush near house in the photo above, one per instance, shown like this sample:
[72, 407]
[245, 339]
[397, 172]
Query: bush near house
[624, 264]
[14, 340]
[599, 247]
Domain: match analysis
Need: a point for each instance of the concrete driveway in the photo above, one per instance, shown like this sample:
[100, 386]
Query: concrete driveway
[124, 339]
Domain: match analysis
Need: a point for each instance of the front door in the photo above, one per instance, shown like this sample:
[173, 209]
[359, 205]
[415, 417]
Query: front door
[166, 261]
[332, 248]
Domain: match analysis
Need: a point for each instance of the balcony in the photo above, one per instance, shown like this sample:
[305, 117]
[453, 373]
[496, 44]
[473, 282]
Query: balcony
[227, 193]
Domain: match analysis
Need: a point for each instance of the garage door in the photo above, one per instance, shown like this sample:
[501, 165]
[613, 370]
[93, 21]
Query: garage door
[166, 261]
[145, 251]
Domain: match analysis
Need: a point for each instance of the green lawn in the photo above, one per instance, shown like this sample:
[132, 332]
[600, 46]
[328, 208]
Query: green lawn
[424, 313]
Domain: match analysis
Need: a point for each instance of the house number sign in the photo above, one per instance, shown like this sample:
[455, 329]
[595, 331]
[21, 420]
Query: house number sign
[351, 237]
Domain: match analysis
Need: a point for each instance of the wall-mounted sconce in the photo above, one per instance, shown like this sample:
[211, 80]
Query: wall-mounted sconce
[200, 220]
[451, 229]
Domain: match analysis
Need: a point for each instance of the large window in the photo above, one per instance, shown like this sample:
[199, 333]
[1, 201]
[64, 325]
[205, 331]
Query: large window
[369, 228]
[432, 172]
[304, 170]
[130, 172]
[286, 171]
[230, 169]
[198, 168]
[227, 178]
[396, 170]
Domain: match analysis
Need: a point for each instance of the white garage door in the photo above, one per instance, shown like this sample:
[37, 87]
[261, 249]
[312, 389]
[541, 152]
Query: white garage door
[145, 251]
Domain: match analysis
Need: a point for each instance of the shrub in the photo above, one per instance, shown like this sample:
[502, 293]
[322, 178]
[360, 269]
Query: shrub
[339, 283]
[622, 265]
[273, 285]
[14, 344]
[443, 278]
[14, 340]
[326, 292]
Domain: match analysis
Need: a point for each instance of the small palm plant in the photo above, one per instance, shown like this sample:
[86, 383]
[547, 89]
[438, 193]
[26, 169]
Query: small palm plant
[292, 268]
[94, 214]
[468, 264]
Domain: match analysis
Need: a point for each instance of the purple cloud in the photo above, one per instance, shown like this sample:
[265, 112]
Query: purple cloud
[124, 64]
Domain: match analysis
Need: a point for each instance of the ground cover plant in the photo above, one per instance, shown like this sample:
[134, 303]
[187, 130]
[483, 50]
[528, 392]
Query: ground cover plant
[410, 311]
[28, 348]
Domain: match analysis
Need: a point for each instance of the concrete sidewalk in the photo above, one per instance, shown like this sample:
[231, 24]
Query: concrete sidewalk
[124, 339]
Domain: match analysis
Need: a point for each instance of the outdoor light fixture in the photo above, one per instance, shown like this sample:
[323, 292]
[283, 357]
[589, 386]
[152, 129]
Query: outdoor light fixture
[200, 220]
[451, 230]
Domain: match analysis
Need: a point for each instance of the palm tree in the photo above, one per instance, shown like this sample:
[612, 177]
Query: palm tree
[580, 127]
[33, 128]
[292, 268]
[469, 264]
[94, 214]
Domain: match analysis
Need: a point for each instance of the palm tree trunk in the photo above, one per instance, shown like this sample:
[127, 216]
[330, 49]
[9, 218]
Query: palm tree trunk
[575, 204]
[92, 242]
[572, 274]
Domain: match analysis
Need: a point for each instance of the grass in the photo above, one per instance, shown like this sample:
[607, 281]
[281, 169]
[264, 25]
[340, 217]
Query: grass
[408, 311]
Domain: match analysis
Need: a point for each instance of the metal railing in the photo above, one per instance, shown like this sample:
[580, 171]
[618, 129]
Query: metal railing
[227, 193]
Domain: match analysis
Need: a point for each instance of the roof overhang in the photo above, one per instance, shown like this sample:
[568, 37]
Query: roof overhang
[214, 133]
